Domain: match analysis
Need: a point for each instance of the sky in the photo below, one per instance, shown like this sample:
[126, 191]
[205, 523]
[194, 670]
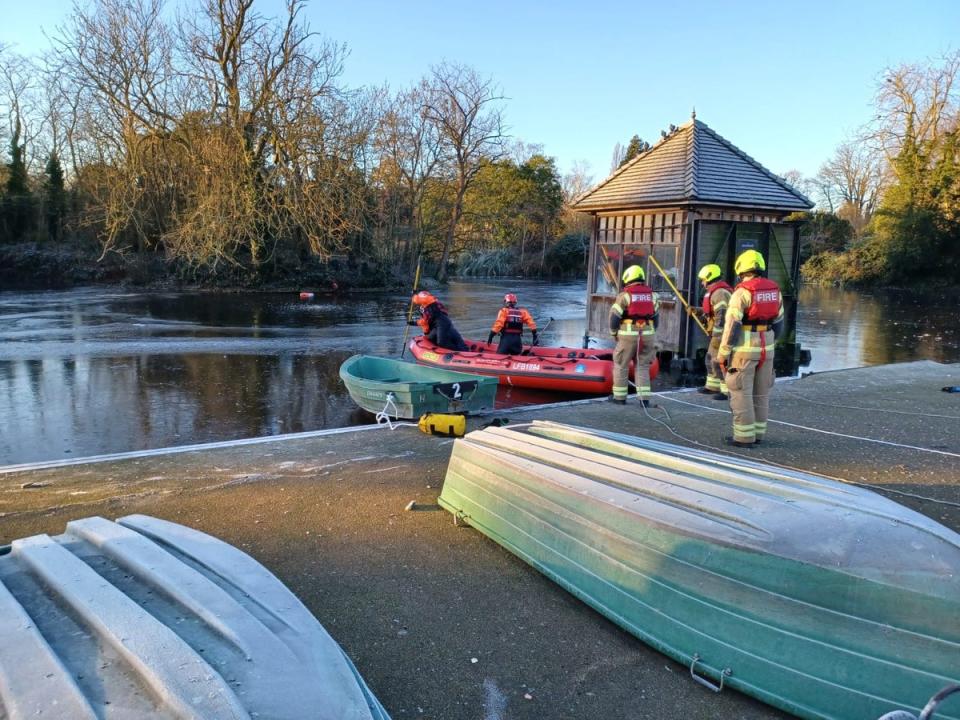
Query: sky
[784, 81]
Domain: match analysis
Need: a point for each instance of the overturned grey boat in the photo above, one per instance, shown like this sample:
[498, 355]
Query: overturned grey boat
[824, 599]
[146, 618]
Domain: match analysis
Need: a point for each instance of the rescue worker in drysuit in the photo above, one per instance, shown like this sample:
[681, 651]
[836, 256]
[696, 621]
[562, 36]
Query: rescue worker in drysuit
[436, 324]
[633, 322]
[714, 308]
[753, 321]
[509, 323]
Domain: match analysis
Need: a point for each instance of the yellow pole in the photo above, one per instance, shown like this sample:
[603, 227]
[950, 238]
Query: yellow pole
[676, 292]
[406, 329]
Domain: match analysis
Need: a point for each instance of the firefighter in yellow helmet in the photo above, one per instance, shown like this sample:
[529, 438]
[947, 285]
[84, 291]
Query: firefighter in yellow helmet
[633, 322]
[715, 300]
[753, 321]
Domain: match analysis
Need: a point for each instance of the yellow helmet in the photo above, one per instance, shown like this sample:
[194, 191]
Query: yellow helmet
[632, 274]
[749, 260]
[709, 273]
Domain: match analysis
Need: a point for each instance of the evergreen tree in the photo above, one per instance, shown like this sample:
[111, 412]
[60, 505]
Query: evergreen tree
[634, 148]
[55, 197]
[17, 212]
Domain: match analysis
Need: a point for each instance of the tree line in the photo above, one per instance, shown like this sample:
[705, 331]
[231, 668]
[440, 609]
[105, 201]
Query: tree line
[224, 142]
[889, 197]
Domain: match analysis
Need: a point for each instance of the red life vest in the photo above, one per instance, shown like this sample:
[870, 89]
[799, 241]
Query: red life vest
[712, 288]
[514, 321]
[765, 300]
[641, 305]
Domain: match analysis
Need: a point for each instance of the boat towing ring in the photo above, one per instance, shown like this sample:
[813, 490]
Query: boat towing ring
[725, 673]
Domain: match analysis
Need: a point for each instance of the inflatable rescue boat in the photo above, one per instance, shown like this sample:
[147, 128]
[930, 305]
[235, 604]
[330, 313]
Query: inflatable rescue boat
[561, 369]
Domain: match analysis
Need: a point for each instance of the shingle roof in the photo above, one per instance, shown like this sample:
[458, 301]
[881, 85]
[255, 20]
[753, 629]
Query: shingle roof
[693, 165]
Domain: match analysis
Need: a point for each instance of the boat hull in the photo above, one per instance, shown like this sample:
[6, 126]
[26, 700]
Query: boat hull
[406, 390]
[823, 599]
[145, 618]
[559, 369]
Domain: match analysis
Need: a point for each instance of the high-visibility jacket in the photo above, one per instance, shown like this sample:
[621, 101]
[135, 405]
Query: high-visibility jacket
[635, 311]
[750, 331]
[429, 314]
[511, 321]
[715, 302]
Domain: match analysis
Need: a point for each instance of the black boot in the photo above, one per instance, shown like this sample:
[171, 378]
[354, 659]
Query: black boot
[618, 401]
[706, 391]
[736, 443]
[721, 396]
[648, 403]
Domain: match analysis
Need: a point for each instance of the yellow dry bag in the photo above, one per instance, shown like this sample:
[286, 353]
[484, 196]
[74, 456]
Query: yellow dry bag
[439, 424]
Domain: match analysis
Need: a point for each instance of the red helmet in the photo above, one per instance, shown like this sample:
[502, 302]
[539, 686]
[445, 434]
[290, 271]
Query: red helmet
[509, 298]
[424, 298]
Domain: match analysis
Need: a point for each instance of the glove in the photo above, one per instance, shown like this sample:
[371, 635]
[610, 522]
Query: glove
[722, 362]
[490, 338]
[536, 338]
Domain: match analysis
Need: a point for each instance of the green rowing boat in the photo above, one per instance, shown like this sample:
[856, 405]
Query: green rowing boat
[406, 390]
[821, 598]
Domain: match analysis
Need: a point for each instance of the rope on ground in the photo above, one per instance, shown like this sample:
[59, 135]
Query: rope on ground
[383, 417]
[825, 432]
[869, 409]
[879, 488]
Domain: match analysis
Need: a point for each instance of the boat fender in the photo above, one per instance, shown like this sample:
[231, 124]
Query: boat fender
[441, 424]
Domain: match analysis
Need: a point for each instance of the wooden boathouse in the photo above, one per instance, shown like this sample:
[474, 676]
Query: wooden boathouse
[693, 198]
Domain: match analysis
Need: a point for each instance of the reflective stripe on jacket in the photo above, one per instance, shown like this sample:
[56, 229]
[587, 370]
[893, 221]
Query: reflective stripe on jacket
[715, 302]
[620, 319]
[739, 338]
[512, 320]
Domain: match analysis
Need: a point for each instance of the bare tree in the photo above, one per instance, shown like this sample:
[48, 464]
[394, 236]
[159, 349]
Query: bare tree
[619, 153]
[853, 179]
[466, 110]
[916, 103]
[409, 144]
[20, 101]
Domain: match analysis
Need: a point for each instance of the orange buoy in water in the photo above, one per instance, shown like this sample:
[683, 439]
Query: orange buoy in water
[306, 296]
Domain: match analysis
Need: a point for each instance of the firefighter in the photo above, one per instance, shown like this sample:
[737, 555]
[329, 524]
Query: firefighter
[715, 301]
[436, 324]
[754, 320]
[633, 323]
[509, 323]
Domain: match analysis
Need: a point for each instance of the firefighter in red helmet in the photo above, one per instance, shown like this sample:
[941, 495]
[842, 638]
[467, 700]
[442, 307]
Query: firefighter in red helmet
[509, 323]
[436, 324]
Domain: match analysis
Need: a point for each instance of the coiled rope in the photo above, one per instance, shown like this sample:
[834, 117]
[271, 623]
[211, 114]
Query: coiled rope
[383, 417]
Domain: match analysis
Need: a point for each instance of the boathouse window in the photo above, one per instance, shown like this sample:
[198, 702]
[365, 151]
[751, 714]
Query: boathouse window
[624, 240]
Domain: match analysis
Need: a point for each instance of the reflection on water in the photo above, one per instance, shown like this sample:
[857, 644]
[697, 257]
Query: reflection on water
[91, 371]
[846, 329]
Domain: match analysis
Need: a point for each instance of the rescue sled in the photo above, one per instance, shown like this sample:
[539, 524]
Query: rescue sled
[823, 599]
[560, 369]
[144, 618]
[406, 390]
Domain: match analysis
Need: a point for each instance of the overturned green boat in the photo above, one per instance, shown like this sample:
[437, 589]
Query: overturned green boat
[145, 618]
[820, 598]
[406, 390]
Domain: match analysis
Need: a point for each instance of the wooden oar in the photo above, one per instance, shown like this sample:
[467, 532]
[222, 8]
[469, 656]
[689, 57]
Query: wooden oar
[406, 328]
[676, 292]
